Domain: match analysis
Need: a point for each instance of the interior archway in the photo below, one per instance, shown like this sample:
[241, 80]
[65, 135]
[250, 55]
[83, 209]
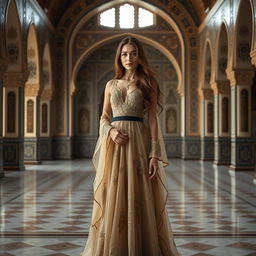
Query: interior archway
[93, 74]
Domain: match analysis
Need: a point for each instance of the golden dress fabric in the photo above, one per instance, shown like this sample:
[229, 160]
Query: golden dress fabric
[129, 215]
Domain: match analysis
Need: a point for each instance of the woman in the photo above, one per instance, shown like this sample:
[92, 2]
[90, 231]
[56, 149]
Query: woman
[130, 192]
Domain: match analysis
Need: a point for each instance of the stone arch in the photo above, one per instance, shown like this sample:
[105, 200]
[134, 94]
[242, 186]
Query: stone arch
[222, 52]
[47, 68]
[13, 38]
[243, 35]
[142, 38]
[33, 58]
[208, 65]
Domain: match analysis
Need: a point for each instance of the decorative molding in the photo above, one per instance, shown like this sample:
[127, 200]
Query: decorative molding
[3, 67]
[221, 87]
[31, 90]
[206, 93]
[240, 76]
[15, 79]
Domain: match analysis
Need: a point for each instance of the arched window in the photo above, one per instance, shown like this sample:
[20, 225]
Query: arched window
[11, 112]
[210, 118]
[30, 116]
[127, 16]
[44, 124]
[244, 111]
[225, 115]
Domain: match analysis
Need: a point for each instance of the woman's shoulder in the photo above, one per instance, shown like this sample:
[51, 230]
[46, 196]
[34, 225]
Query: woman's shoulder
[110, 83]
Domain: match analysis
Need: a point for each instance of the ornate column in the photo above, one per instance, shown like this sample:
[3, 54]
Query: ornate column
[3, 68]
[207, 143]
[13, 148]
[253, 58]
[45, 138]
[222, 118]
[242, 143]
[32, 120]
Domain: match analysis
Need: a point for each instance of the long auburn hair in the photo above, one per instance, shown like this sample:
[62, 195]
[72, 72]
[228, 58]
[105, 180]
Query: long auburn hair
[145, 76]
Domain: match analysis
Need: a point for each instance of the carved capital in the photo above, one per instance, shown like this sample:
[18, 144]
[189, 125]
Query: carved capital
[46, 95]
[240, 76]
[221, 87]
[15, 79]
[3, 67]
[31, 90]
[206, 93]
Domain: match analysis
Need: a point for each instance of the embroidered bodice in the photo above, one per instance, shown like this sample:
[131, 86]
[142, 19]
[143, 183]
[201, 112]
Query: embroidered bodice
[130, 104]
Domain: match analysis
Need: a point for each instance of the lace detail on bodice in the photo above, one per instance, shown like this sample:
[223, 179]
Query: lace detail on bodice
[131, 105]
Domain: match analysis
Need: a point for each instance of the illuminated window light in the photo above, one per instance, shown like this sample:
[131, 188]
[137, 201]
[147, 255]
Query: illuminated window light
[146, 18]
[126, 16]
[107, 18]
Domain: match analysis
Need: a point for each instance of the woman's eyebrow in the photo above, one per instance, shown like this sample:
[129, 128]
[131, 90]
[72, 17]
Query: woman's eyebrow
[128, 51]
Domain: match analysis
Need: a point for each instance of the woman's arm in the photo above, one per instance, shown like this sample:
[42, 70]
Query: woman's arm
[116, 135]
[154, 150]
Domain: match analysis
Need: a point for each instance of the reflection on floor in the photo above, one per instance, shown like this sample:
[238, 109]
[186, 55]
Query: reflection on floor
[46, 210]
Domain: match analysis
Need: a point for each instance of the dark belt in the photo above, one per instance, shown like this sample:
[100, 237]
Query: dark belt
[127, 118]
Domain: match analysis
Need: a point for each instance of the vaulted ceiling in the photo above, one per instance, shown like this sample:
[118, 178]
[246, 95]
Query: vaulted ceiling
[197, 8]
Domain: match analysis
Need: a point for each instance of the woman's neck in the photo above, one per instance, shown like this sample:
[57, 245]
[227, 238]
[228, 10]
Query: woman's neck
[129, 75]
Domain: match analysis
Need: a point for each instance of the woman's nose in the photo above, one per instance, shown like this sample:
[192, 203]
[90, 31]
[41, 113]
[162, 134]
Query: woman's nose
[129, 56]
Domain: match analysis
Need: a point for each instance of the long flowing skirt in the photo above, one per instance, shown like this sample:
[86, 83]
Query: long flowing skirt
[129, 212]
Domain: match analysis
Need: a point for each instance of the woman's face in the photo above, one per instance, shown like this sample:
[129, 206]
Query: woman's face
[129, 57]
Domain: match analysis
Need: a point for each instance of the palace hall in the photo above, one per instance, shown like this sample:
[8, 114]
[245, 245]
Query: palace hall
[56, 57]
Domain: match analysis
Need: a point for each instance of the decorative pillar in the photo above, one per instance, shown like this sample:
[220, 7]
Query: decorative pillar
[222, 118]
[253, 58]
[45, 138]
[13, 148]
[242, 143]
[207, 114]
[32, 119]
[3, 68]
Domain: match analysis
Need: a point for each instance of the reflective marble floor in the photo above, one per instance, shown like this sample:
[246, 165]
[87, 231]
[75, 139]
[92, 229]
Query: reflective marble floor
[46, 210]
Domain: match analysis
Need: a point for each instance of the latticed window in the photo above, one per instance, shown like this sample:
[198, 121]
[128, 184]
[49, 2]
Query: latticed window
[127, 16]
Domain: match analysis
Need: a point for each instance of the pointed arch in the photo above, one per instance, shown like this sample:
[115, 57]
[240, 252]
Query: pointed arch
[207, 65]
[13, 38]
[33, 56]
[47, 68]
[243, 35]
[222, 52]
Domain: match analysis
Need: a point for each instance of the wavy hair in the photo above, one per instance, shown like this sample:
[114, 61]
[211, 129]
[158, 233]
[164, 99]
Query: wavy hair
[145, 76]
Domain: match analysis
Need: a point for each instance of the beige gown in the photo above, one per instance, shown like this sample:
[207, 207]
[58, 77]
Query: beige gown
[129, 216]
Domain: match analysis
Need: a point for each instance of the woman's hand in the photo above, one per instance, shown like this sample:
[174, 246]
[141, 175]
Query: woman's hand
[118, 136]
[153, 167]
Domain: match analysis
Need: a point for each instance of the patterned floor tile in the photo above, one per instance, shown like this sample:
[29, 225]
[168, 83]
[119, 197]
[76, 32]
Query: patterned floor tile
[212, 211]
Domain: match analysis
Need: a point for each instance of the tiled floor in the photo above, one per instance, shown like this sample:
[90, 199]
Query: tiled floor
[46, 210]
